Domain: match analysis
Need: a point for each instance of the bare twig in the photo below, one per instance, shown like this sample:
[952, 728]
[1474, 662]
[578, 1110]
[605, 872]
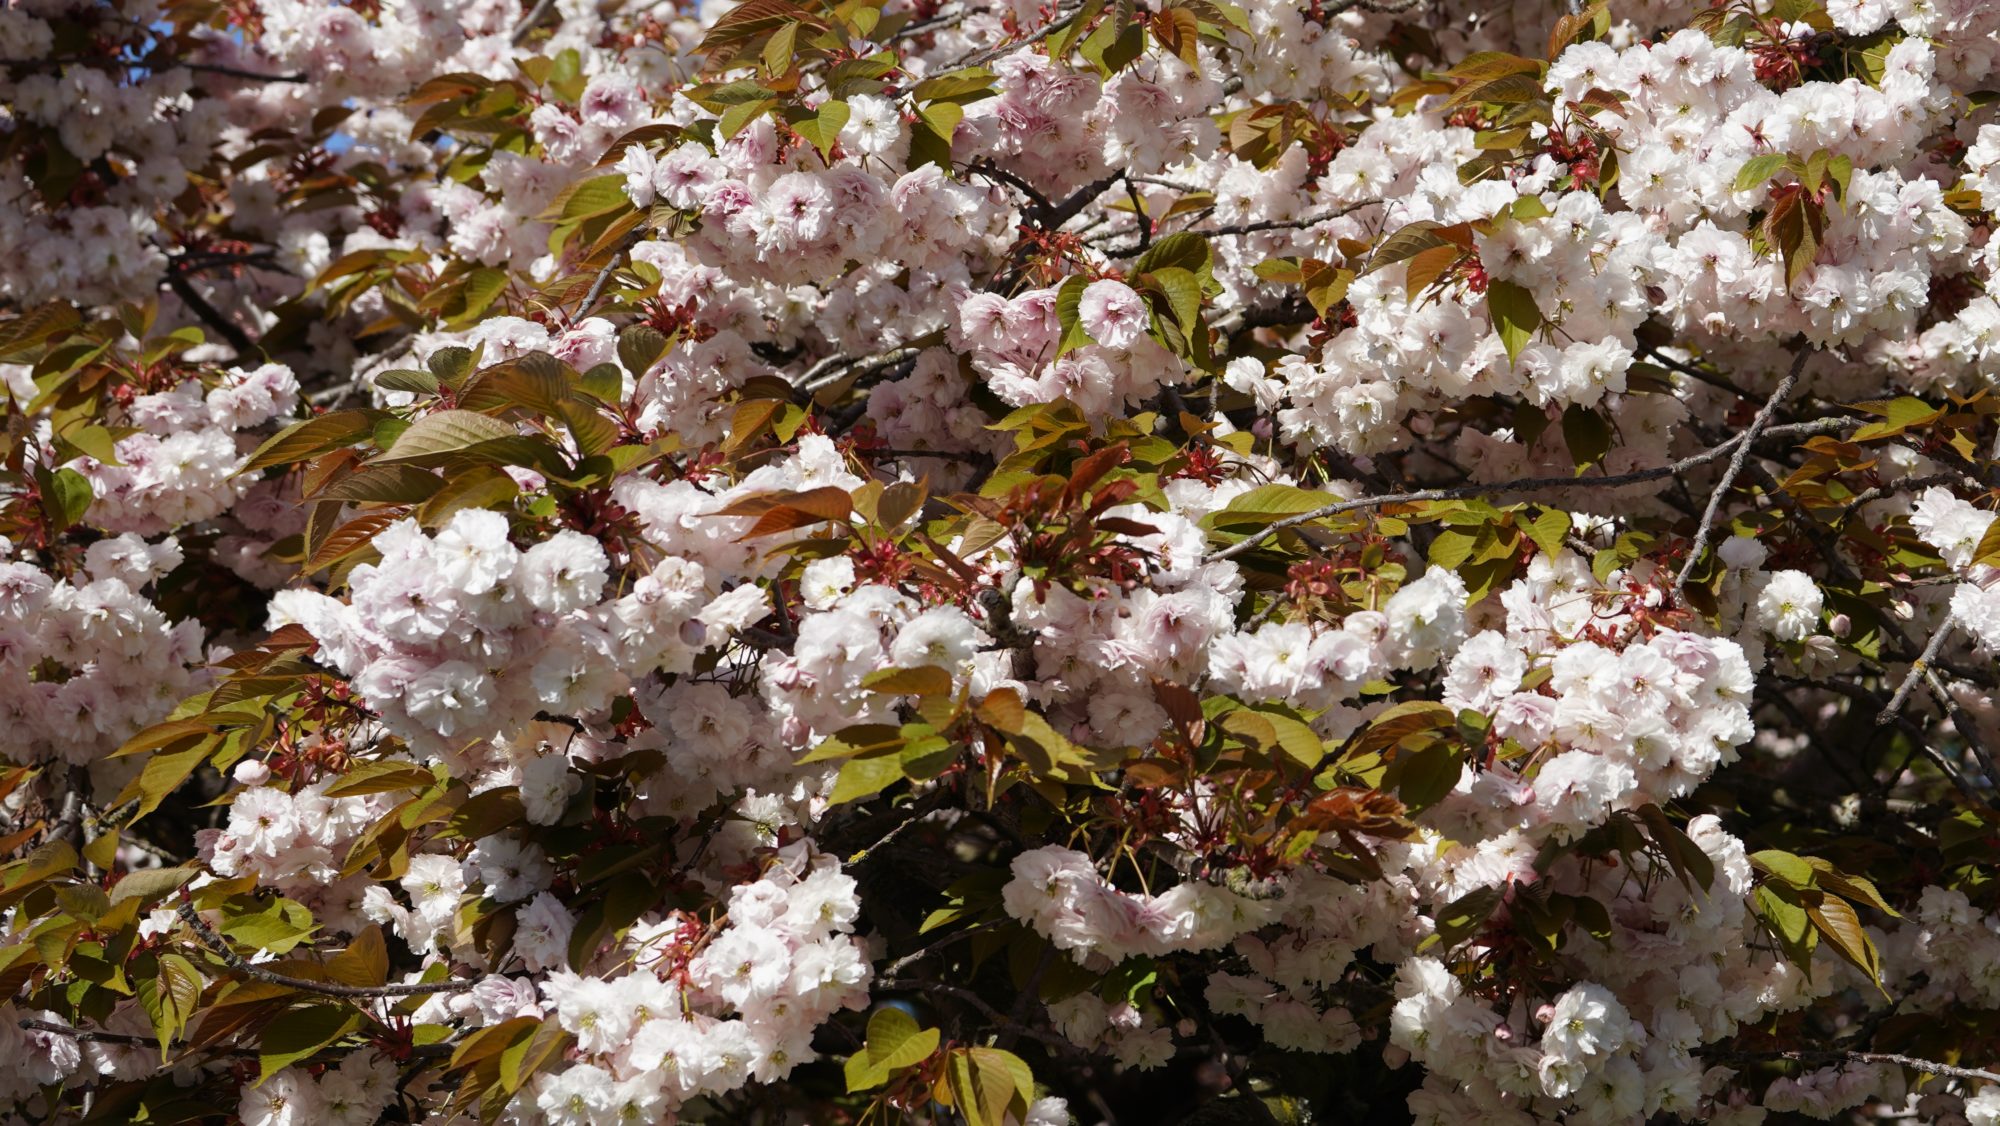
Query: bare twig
[1139, 216]
[1902, 694]
[153, 65]
[993, 171]
[528, 22]
[981, 58]
[1812, 1058]
[998, 1018]
[1527, 484]
[236, 962]
[1742, 455]
[1176, 185]
[1967, 726]
[833, 369]
[625, 244]
[1254, 227]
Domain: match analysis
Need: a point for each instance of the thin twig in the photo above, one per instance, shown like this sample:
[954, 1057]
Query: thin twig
[1903, 690]
[912, 958]
[1763, 419]
[998, 1018]
[164, 64]
[993, 171]
[625, 244]
[527, 25]
[1144, 221]
[1526, 484]
[1176, 185]
[981, 58]
[828, 372]
[1810, 1058]
[236, 962]
[1253, 227]
[944, 455]
[1967, 726]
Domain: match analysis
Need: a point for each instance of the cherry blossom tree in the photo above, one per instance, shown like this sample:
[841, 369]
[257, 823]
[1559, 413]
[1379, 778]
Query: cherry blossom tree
[987, 562]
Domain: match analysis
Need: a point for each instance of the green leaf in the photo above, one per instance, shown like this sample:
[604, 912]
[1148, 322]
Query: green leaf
[823, 129]
[380, 776]
[149, 884]
[95, 441]
[1466, 915]
[383, 484]
[967, 84]
[894, 1042]
[591, 198]
[1182, 291]
[984, 1084]
[170, 998]
[1898, 415]
[1452, 547]
[1069, 301]
[1547, 530]
[1265, 505]
[1785, 866]
[522, 1059]
[299, 1033]
[1787, 921]
[452, 364]
[444, 432]
[67, 497]
[303, 440]
[865, 777]
[943, 117]
[1296, 738]
[924, 680]
[1406, 243]
[1515, 315]
[18, 334]
[1182, 249]
[1758, 170]
[277, 925]
[1836, 920]
[407, 379]
[1587, 434]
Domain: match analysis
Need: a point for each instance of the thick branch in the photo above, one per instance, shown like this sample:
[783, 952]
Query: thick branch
[210, 315]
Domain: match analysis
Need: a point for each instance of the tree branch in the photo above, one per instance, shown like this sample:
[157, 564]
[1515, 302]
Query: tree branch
[1527, 484]
[625, 244]
[210, 315]
[1253, 227]
[166, 64]
[1902, 694]
[528, 22]
[1736, 463]
[1811, 1058]
[236, 962]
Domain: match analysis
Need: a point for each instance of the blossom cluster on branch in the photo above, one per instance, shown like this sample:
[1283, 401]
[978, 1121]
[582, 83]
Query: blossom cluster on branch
[989, 562]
